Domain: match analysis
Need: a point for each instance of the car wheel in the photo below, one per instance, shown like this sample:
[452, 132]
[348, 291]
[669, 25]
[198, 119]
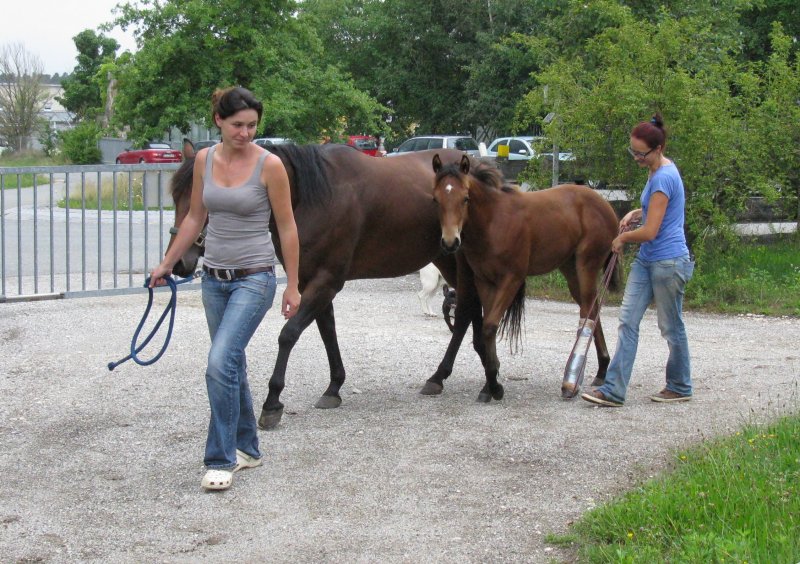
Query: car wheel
[119, 161]
[141, 161]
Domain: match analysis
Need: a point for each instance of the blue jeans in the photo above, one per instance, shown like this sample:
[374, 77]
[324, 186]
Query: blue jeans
[234, 309]
[663, 281]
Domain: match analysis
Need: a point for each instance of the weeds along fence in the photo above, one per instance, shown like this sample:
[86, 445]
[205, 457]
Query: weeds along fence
[68, 231]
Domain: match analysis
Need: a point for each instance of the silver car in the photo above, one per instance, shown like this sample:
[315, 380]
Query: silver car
[425, 142]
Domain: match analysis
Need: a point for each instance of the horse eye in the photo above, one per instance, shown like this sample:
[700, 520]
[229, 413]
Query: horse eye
[466, 199]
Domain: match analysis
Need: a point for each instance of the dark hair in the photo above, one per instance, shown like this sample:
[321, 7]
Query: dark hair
[651, 132]
[227, 101]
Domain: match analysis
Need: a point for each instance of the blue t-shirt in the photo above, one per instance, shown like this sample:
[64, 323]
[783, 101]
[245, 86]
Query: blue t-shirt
[670, 242]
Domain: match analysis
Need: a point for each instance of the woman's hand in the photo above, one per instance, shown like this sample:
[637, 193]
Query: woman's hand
[158, 274]
[631, 218]
[290, 303]
[617, 245]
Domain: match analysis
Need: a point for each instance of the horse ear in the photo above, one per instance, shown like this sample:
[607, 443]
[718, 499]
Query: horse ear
[464, 165]
[437, 163]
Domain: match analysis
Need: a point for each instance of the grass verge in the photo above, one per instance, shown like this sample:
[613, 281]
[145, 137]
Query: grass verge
[735, 499]
[128, 195]
[25, 159]
[754, 277]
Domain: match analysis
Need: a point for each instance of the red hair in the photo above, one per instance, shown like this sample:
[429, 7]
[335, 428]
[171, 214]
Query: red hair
[651, 132]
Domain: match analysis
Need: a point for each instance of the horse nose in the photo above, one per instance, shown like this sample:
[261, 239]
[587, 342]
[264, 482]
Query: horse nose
[450, 247]
[181, 268]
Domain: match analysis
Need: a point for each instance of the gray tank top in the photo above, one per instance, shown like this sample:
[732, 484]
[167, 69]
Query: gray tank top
[238, 221]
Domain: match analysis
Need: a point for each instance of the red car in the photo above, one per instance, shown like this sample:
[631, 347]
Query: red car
[150, 153]
[366, 144]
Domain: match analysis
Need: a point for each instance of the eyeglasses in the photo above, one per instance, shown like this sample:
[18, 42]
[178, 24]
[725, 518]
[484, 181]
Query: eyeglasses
[639, 154]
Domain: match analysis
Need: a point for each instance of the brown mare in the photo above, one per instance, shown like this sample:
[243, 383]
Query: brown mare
[357, 217]
[506, 235]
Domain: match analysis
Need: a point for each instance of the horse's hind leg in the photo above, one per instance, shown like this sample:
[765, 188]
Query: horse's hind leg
[583, 289]
[603, 358]
[326, 323]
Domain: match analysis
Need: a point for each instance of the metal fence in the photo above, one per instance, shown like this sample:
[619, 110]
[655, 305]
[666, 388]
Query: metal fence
[59, 239]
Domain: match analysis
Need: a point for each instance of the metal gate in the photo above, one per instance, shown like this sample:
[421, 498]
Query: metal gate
[69, 231]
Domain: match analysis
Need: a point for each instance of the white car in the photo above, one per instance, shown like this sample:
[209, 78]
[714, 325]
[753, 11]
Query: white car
[520, 148]
[267, 141]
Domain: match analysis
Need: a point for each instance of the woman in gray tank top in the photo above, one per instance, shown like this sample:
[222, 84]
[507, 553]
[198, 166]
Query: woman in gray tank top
[237, 186]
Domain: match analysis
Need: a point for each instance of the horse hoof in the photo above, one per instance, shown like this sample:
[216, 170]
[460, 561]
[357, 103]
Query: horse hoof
[431, 389]
[484, 397]
[270, 419]
[569, 393]
[597, 382]
[328, 402]
[498, 393]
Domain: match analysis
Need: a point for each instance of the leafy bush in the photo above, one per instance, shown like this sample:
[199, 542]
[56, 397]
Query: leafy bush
[80, 143]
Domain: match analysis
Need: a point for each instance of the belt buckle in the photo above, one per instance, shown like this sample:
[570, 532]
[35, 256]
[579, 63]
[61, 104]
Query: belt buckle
[228, 274]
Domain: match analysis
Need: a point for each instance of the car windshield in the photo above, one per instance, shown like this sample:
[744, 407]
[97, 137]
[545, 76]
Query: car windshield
[463, 144]
[157, 146]
[365, 144]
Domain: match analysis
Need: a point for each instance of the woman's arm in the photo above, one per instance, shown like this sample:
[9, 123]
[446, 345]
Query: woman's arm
[280, 198]
[648, 231]
[190, 228]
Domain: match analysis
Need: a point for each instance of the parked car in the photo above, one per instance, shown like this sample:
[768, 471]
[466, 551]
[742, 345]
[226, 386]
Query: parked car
[425, 142]
[206, 143]
[150, 153]
[366, 144]
[267, 141]
[519, 148]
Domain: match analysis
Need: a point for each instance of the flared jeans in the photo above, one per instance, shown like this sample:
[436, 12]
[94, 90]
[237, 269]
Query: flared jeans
[234, 309]
[664, 282]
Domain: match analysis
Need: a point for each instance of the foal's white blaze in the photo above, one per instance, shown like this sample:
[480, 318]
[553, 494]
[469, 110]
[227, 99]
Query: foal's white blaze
[450, 233]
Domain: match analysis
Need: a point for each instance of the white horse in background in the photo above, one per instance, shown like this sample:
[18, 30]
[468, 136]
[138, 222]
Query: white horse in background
[432, 280]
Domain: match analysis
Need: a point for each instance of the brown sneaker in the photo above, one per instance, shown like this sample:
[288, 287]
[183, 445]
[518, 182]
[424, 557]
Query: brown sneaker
[668, 396]
[597, 397]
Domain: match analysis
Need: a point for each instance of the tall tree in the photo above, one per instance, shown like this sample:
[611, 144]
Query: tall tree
[187, 49]
[411, 56]
[82, 89]
[22, 94]
[757, 27]
[723, 115]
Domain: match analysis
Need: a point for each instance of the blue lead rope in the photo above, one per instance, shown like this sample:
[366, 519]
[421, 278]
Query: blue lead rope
[170, 309]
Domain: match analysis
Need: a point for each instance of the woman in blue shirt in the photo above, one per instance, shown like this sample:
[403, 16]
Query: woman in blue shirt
[659, 272]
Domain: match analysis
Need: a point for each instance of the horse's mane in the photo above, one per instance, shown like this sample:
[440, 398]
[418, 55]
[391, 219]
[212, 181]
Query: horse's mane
[181, 181]
[307, 168]
[309, 165]
[488, 175]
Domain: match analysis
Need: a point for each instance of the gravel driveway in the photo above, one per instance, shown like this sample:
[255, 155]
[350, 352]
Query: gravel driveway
[106, 466]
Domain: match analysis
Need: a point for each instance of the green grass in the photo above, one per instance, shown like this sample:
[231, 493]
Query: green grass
[735, 499]
[25, 159]
[127, 197]
[753, 277]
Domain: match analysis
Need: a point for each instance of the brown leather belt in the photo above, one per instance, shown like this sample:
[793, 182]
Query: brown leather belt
[234, 273]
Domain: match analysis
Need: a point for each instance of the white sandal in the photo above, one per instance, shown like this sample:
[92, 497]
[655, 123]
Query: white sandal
[217, 480]
[244, 460]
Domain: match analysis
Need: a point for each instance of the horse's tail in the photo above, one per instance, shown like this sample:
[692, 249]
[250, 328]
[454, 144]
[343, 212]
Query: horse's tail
[308, 170]
[512, 323]
[615, 277]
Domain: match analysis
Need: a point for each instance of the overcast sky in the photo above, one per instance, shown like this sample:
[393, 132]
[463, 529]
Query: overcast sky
[46, 28]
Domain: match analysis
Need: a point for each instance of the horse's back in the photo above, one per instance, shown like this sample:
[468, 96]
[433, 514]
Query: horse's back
[378, 221]
[571, 199]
